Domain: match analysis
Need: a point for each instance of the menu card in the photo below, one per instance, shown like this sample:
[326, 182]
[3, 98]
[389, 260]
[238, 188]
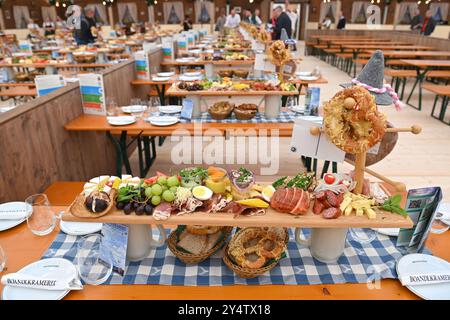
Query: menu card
[182, 44]
[188, 107]
[48, 83]
[312, 101]
[319, 147]
[114, 245]
[167, 49]
[190, 40]
[421, 205]
[92, 93]
[25, 46]
[142, 65]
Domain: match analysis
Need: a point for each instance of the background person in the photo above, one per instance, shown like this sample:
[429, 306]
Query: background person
[84, 35]
[187, 23]
[256, 19]
[233, 20]
[326, 23]
[416, 21]
[282, 22]
[49, 27]
[220, 22]
[342, 21]
[429, 24]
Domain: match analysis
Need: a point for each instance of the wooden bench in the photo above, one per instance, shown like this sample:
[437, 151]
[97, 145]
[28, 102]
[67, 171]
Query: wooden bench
[441, 74]
[396, 62]
[13, 92]
[442, 91]
[399, 77]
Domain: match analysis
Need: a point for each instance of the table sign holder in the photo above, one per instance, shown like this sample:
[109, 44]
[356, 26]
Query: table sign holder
[92, 93]
[48, 83]
[142, 65]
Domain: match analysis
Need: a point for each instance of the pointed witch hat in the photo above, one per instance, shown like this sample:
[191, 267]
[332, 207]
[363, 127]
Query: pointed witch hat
[372, 78]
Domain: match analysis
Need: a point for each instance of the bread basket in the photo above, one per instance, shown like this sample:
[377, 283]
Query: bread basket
[245, 114]
[248, 273]
[190, 258]
[221, 110]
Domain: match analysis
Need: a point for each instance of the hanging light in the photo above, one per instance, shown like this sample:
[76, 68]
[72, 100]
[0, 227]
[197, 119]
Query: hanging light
[57, 4]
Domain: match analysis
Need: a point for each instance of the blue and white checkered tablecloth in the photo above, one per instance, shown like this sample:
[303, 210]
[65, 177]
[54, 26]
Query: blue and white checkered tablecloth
[284, 117]
[360, 263]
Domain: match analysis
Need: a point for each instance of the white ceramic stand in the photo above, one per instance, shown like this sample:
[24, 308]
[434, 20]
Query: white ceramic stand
[326, 244]
[272, 106]
[209, 70]
[141, 242]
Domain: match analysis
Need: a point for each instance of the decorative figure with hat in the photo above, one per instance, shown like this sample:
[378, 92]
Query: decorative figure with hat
[353, 123]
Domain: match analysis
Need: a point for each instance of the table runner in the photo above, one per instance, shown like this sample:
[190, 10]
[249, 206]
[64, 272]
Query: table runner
[360, 263]
[284, 117]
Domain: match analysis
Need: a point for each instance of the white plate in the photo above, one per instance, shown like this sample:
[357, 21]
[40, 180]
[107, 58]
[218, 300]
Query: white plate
[8, 224]
[188, 59]
[53, 268]
[308, 78]
[131, 109]
[170, 109]
[444, 210]
[392, 232]
[163, 121]
[121, 121]
[160, 79]
[424, 263]
[192, 73]
[303, 73]
[80, 228]
[165, 74]
[298, 109]
[189, 78]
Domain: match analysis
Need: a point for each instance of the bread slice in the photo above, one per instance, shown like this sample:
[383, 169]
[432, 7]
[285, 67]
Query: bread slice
[212, 240]
[193, 243]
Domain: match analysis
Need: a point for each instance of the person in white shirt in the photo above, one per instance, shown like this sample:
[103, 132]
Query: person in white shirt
[256, 18]
[31, 25]
[233, 20]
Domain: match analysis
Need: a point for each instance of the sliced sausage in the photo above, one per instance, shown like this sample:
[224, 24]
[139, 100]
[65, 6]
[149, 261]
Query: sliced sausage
[321, 196]
[332, 199]
[331, 213]
[318, 207]
[340, 198]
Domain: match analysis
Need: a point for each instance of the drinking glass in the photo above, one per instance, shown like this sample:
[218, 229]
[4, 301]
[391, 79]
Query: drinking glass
[41, 219]
[138, 107]
[2, 259]
[362, 235]
[111, 107]
[94, 264]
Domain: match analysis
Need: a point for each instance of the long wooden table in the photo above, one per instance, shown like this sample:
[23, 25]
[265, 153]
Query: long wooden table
[147, 132]
[22, 248]
[422, 67]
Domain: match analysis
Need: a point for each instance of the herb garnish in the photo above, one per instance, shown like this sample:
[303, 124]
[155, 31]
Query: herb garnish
[244, 175]
[279, 182]
[193, 173]
[392, 204]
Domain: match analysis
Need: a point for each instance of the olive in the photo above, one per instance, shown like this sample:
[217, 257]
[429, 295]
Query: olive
[88, 202]
[140, 210]
[148, 209]
[120, 205]
[99, 205]
[127, 209]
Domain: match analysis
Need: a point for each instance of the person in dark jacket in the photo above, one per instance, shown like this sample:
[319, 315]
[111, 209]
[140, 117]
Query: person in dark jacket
[187, 24]
[429, 24]
[341, 23]
[416, 21]
[84, 34]
[283, 22]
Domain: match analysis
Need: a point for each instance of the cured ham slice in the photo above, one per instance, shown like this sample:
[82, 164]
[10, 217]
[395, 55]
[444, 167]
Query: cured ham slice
[290, 200]
[239, 209]
[162, 211]
[216, 203]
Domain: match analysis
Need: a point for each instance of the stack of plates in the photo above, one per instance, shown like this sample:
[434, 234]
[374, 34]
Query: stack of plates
[423, 264]
[11, 207]
[80, 228]
[135, 108]
[53, 268]
[298, 109]
[165, 74]
[170, 109]
[163, 121]
[121, 120]
[160, 79]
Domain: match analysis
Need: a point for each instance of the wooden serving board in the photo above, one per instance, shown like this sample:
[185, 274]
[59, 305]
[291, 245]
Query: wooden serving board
[175, 92]
[272, 218]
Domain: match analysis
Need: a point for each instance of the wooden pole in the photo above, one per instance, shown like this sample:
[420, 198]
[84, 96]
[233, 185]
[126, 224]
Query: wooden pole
[360, 165]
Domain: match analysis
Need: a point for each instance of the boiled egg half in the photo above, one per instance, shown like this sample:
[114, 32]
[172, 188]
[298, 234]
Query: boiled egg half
[202, 193]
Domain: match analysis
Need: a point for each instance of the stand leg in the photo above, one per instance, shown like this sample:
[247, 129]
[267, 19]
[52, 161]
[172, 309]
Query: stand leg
[360, 164]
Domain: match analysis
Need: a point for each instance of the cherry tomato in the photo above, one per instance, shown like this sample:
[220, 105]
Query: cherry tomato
[329, 178]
